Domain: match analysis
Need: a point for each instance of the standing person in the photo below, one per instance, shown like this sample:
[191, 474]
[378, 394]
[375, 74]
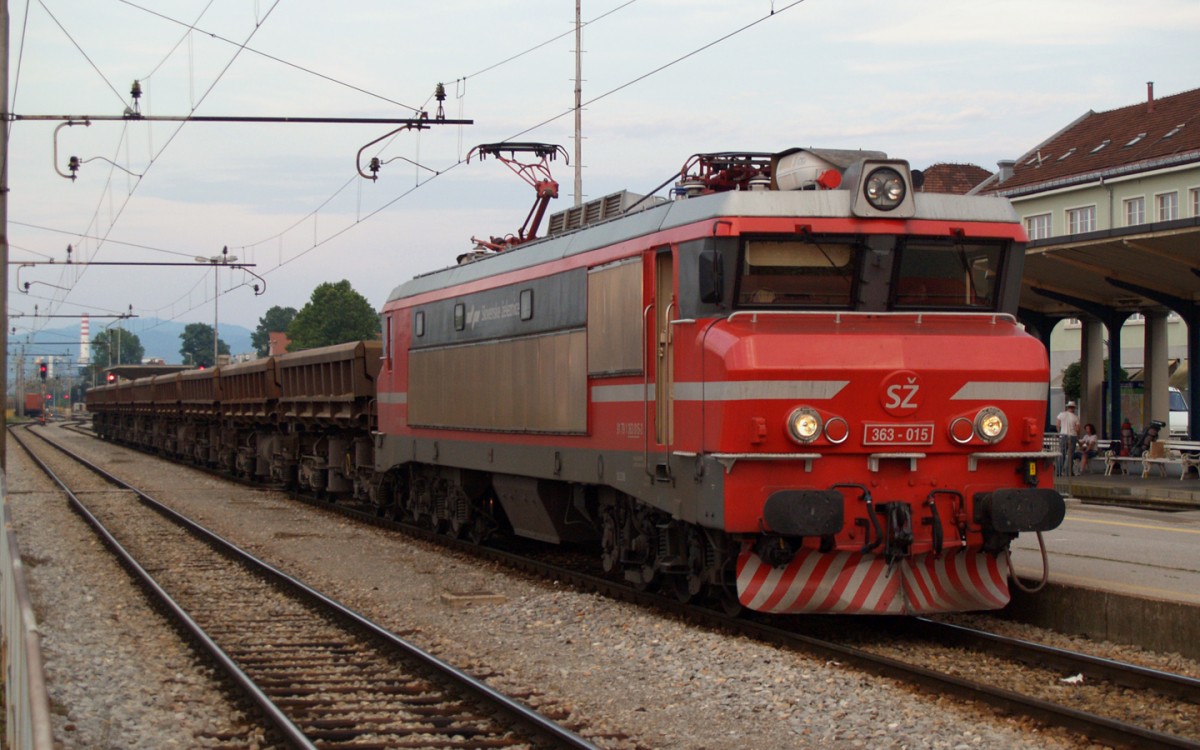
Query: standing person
[1067, 422]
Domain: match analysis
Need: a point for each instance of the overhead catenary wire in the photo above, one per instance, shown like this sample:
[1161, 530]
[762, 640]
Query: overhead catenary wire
[319, 241]
[170, 139]
[774, 12]
[82, 52]
[244, 47]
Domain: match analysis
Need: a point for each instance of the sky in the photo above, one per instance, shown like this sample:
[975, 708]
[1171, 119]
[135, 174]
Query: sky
[925, 80]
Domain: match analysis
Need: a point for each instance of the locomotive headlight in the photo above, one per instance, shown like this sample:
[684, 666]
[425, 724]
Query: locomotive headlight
[991, 424]
[885, 189]
[804, 424]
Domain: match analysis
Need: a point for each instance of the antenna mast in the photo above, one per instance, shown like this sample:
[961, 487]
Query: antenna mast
[578, 107]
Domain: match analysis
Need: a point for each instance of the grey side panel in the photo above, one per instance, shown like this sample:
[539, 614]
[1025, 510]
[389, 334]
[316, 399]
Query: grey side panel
[614, 301]
[696, 496]
[529, 384]
[552, 303]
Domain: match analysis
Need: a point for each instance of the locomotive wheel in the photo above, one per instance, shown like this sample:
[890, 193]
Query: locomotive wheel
[688, 584]
[610, 541]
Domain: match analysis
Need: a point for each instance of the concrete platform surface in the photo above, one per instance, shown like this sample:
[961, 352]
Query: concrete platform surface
[1118, 573]
[1134, 551]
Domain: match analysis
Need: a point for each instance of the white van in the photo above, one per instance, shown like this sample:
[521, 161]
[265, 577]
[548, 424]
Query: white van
[1179, 414]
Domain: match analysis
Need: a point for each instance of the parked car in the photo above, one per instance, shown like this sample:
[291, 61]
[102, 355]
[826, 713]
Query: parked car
[1179, 414]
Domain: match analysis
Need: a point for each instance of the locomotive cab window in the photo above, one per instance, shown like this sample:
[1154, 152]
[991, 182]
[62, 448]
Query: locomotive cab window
[419, 324]
[947, 274]
[460, 316]
[799, 273]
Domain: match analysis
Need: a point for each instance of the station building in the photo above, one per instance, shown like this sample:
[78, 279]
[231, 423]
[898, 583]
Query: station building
[1111, 204]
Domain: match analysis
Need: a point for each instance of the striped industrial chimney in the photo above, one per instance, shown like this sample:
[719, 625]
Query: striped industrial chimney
[84, 341]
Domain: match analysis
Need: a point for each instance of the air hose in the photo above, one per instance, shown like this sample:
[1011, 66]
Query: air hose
[1012, 572]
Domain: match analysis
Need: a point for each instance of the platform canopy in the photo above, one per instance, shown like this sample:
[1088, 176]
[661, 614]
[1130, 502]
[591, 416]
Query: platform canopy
[1130, 269]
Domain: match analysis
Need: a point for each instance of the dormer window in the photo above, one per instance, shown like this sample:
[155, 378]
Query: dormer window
[1136, 138]
[1102, 145]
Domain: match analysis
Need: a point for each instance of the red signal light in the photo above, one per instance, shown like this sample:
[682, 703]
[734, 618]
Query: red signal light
[42, 370]
[112, 378]
[48, 397]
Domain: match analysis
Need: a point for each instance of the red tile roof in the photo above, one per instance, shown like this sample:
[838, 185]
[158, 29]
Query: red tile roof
[1149, 135]
[957, 179]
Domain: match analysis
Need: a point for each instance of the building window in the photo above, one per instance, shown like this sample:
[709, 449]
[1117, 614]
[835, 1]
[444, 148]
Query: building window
[1168, 206]
[1080, 220]
[1195, 201]
[1037, 227]
[1135, 211]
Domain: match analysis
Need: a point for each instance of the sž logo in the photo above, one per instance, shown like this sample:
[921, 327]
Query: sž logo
[900, 393]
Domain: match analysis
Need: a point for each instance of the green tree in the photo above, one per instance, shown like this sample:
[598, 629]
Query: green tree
[112, 347]
[276, 320]
[334, 315]
[1072, 380]
[197, 347]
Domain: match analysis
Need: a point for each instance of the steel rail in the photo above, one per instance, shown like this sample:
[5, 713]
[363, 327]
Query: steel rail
[539, 725]
[1096, 727]
[1180, 687]
[292, 734]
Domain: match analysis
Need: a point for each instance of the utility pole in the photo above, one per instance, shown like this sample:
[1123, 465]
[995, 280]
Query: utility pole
[4, 115]
[578, 105]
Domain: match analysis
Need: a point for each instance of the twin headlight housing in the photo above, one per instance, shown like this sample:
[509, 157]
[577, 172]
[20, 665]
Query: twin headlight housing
[883, 188]
[805, 425]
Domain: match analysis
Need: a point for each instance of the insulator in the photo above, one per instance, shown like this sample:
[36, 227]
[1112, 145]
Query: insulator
[374, 166]
[73, 165]
[136, 91]
[439, 93]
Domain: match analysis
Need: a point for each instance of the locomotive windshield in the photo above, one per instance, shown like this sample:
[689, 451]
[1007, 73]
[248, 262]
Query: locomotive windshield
[798, 273]
[946, 274]
[870, 272]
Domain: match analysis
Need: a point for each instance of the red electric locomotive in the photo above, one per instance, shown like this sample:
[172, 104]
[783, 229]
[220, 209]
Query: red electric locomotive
[799, 386]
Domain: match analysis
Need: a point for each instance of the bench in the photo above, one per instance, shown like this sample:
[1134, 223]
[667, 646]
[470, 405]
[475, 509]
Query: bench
[1111, 461]
[1186, 452]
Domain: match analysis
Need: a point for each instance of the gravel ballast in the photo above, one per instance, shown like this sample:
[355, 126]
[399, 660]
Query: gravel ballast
[627, 678]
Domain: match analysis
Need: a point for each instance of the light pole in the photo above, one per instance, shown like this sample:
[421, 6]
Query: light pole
[109, 345]
[217, 260]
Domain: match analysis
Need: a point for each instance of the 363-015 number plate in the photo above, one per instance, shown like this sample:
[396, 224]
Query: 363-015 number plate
[909, 433]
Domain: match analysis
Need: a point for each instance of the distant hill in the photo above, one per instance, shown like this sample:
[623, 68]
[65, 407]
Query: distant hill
[160, 338]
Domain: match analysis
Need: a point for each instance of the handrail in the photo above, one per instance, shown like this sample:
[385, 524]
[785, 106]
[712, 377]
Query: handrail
[27, 704]
[646, 395]
[838, 314]
[668, 352]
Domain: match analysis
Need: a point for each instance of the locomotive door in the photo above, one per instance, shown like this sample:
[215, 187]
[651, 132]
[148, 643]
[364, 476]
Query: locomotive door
[664, 367]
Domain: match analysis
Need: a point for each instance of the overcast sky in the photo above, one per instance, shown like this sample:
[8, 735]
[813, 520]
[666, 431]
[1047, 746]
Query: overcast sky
[925, 80]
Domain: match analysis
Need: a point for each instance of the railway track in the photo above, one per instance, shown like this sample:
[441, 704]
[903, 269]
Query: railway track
[321, 675]
[905, 648]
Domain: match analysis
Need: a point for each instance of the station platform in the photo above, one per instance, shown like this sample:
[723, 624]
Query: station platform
[1124, 564]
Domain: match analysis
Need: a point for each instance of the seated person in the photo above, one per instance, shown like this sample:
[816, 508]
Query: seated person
[1088, 445]
[1128, 439]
